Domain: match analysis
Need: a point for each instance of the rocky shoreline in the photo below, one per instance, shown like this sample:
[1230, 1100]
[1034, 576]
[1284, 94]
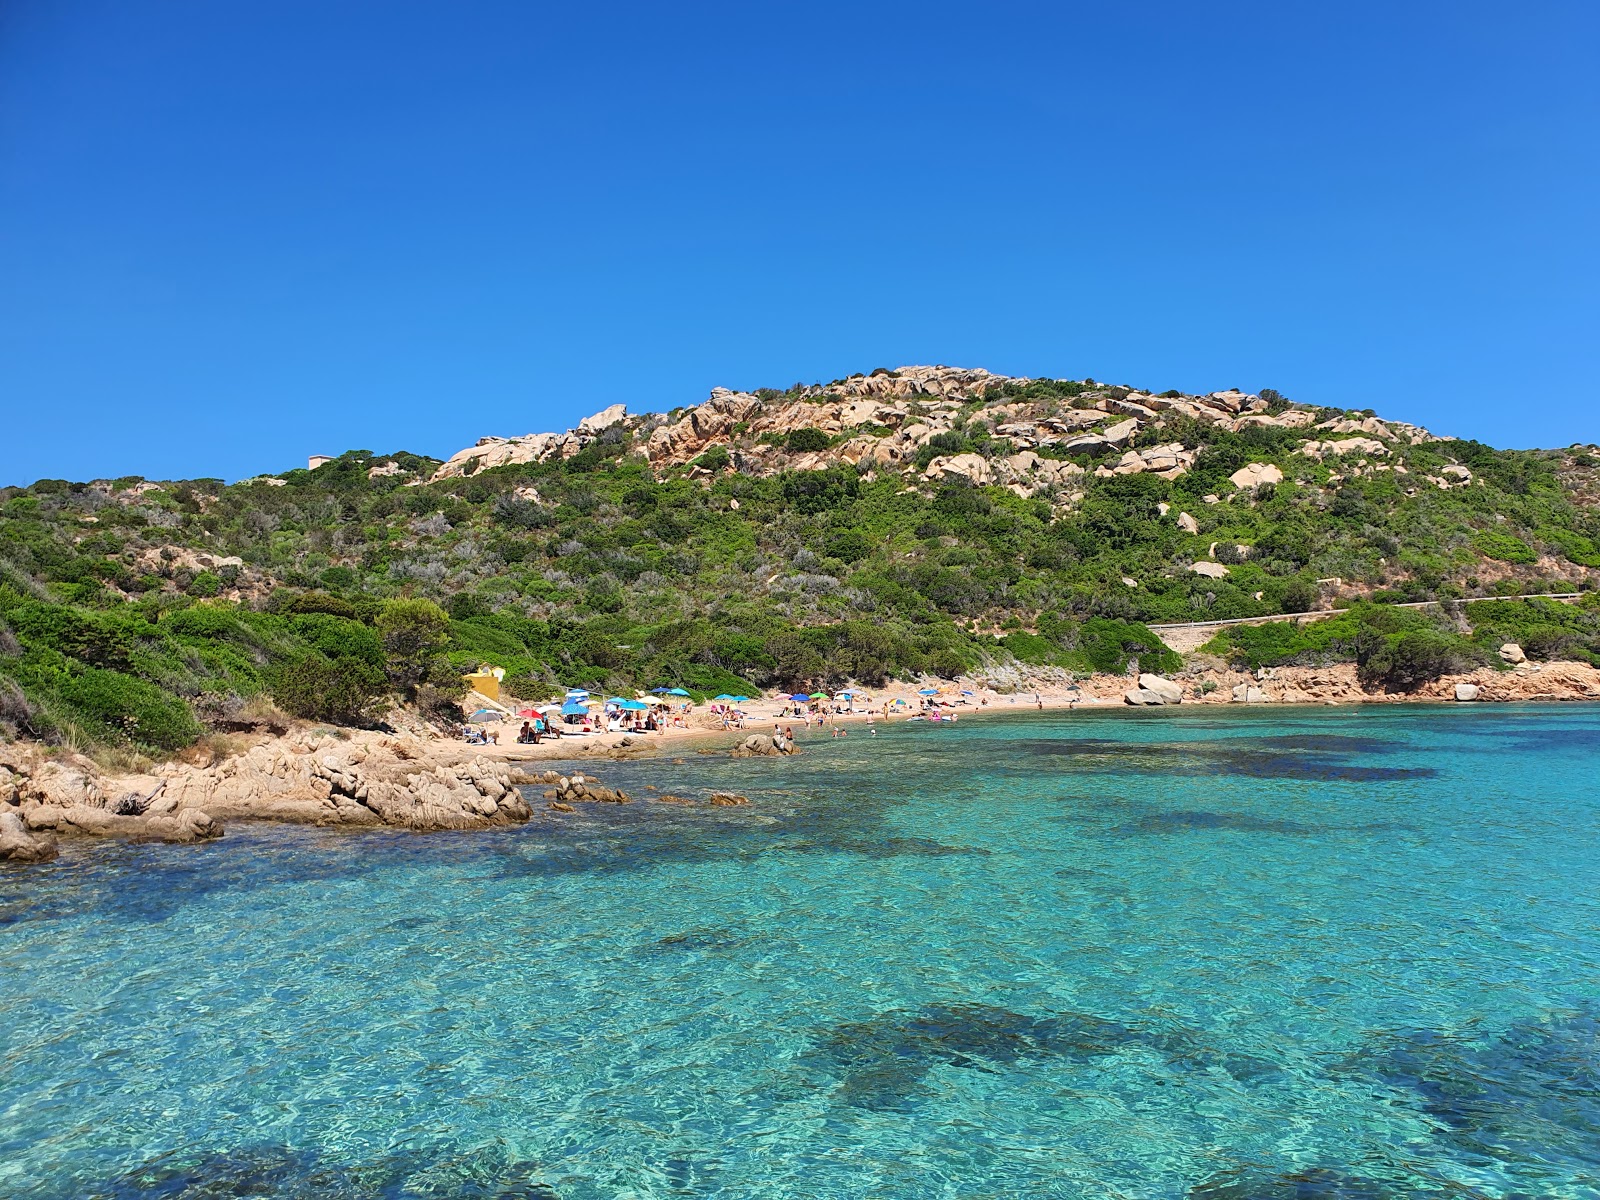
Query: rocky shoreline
[358, 780]
[416, 781]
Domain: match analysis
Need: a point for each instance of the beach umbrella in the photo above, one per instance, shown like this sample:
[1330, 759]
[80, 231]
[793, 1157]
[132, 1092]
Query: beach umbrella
[741, 699]
[722, 697]
[819, 695]
[676, 692]
[964, 692]
[633, 705]
[657, 700]
[928, 692]
[800, 696]
[527, 712]
[573, 708]
[484, 715]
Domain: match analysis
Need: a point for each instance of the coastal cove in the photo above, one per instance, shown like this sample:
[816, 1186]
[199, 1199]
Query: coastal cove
[1206, 951]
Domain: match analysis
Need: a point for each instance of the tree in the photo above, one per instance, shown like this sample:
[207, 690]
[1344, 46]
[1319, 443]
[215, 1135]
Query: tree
[415, 634]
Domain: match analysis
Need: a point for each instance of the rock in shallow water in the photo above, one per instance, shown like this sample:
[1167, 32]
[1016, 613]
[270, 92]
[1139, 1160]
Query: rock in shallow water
[19, 845]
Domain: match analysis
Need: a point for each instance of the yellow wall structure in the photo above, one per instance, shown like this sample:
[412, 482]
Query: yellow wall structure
[487, 682]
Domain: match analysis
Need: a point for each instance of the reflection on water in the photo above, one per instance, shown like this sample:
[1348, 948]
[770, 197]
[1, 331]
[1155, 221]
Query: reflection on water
[1221, 955]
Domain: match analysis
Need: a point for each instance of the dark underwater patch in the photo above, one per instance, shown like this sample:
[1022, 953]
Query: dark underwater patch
[714, 937]
[880, 1063]
[1311, 1183]
[148, 882]
[1524, 1094]
[1215, 758]
[284, 1173]
[1181, 822]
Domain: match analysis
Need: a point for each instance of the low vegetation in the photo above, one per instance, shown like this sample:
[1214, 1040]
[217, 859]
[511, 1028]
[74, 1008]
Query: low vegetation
[140, 614]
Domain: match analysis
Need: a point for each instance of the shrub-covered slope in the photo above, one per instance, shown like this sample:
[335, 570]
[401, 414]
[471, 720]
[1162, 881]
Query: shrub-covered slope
[929, 520]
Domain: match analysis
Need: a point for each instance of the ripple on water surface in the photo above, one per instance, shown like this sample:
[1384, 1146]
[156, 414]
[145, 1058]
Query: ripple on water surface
[1221, 955]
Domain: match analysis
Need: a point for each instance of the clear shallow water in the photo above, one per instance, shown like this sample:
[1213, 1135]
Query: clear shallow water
[1219, 955]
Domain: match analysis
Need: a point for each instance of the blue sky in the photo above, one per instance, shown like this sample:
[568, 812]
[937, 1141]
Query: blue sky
[232, 234]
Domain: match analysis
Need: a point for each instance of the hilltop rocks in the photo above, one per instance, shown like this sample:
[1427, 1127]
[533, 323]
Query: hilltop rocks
[1169, 461]
[973, 467]
[1355, 445]
[1254, 475]
[1187, 523]
[885, 419]
[604, 419]
[1211, 570]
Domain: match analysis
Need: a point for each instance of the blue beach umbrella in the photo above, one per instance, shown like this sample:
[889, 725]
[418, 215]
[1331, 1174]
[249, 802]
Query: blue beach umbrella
[724, 696]
[573, 709]
[741, 699]
[633, 705]
[928, 692]
[800, 696]
[676, 692]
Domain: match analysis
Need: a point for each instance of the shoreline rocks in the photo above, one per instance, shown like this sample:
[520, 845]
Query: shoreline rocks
[1154, 690]
[361, 780]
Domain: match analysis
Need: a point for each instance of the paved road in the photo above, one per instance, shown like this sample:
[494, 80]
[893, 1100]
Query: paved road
[1185, 636]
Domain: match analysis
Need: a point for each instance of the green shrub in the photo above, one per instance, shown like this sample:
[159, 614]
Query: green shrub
[807, 441]
[205, 584]
[115, 706]
[1403, 662]
[342, 692]
[1495, 544]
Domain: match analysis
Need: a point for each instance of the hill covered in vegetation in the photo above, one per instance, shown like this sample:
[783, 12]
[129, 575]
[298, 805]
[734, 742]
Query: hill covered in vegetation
[928, 520]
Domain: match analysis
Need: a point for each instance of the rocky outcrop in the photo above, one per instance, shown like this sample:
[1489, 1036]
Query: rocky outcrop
[1512, 653]
[1466, 692]
[67, 795]
[1254, 475]
[365, 779]
[583, 789]
[760, 745]
[1246, 693]
[1355, 445]
[19, 844]
[1154, 690]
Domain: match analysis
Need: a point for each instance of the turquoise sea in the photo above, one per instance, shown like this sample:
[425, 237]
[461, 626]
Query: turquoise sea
[1209, 954]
